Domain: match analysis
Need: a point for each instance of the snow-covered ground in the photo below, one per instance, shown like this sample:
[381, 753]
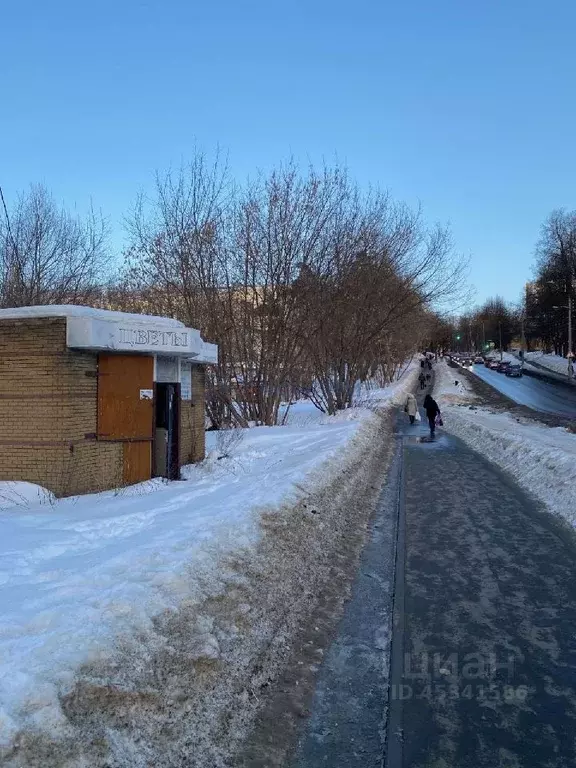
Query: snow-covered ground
[554, 363]
[541, 458]
[79, 573]
[23, 495]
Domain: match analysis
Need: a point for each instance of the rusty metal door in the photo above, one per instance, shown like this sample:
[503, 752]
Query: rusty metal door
[126, 410]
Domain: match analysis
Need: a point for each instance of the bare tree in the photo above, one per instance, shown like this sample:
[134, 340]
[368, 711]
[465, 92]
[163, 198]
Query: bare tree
[225, 259]
[556, 249]
[305, 283]
[48, 256]
[386, 270]
[545, 299]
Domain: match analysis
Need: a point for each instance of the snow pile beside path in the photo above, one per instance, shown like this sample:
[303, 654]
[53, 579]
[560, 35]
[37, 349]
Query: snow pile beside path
[21, 494]
[541, 458]
[377, 397]
[450, 386]
[554, 363]
[305, 413]
[74, 575]
[80, 574]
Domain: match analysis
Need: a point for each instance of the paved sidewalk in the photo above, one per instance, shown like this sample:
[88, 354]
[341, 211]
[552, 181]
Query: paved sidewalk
[483, 671]
[487, 677]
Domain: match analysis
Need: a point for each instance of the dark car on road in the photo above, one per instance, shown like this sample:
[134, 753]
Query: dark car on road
[503, 366]
[514, 369]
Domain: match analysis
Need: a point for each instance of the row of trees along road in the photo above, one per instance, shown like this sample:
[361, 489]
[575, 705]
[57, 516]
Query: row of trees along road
[495, 323]
[547, 297]
[307, 283]
[541, 318]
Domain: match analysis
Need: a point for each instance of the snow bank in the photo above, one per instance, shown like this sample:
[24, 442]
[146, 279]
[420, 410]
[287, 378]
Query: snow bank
[541, 458]
[367, 396]
[554, 363]
[21, 494]
[451, 387]
[77, 576]
[73, 310]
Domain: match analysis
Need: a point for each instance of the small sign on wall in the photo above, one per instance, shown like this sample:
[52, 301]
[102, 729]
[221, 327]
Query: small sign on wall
[167, 369]
[146, 394]
[186, 382]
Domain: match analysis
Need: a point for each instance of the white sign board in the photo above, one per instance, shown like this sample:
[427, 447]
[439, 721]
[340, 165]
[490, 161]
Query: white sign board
[146, 394]
[114, 335]
[186, 382]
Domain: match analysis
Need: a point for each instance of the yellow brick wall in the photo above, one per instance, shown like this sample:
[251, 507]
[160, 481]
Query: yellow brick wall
[48, 411]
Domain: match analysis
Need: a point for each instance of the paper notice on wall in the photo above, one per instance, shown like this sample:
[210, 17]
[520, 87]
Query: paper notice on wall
[146, 394]
[186, 382]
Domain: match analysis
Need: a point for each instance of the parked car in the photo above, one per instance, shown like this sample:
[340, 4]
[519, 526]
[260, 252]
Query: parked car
[479, 359]
[502, 366]
[493, 365]
[514, 369]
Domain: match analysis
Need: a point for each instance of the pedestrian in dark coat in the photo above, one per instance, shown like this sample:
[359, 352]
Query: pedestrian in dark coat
[432, 410]
[422, 380]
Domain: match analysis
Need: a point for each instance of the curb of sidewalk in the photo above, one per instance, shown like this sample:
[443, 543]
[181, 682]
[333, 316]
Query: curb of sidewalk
[394, 736]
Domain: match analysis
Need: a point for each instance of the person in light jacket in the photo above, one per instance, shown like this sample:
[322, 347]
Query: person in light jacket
[432, 410]
[411, 407]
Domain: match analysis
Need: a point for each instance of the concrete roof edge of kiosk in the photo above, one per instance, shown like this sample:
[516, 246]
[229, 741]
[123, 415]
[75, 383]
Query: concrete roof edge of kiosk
[105, 330]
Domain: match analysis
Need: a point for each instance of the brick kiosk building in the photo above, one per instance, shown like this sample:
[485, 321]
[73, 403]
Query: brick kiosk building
[92, 400]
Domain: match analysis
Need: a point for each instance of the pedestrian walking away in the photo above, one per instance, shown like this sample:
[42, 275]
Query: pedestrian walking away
[432, 412]
[422, 380]
[411, 407]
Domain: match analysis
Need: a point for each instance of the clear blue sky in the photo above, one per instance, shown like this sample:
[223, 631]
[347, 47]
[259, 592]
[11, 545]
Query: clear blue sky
[468, 107]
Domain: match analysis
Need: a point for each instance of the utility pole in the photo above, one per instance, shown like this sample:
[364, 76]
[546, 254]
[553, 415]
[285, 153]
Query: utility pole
[570, 333]
[500, 335]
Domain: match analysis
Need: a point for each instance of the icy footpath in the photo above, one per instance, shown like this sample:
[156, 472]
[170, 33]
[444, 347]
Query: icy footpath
[541, 458]
[79, 573]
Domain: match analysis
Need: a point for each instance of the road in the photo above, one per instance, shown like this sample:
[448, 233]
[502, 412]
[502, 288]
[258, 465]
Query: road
[531, 392]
